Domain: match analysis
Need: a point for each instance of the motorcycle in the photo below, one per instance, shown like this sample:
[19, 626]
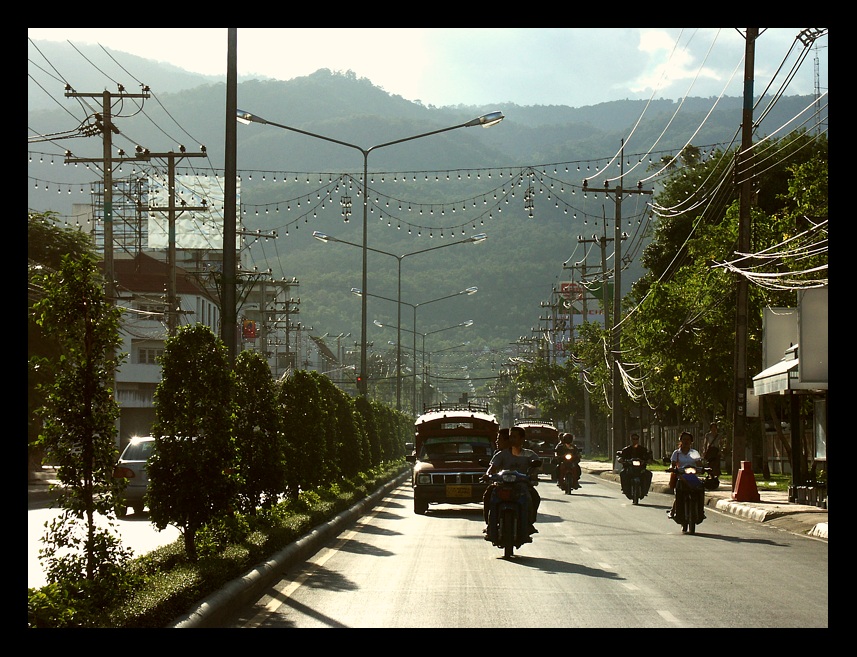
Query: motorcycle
[689, 497]
[636, 489]
[569, 472]
[508, 526]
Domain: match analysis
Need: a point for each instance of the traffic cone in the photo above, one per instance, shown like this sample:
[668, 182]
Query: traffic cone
[745, 486]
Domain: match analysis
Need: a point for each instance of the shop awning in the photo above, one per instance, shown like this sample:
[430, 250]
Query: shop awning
[777, 378]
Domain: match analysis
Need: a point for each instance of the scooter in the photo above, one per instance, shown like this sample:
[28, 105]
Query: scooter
[636, 471]
[508, 524]
[569, 473]
[689, 497]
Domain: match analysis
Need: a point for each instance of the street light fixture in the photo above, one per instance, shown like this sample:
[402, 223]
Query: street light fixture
[464, 324]
[486, 121]
[473, 239]
[469, 291]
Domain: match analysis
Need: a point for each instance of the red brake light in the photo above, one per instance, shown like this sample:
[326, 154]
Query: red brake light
[120, 472]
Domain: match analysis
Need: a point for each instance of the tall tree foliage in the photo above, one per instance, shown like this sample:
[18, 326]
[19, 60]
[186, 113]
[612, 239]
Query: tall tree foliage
[555, 389]
[370, 425]
[683, 325]
[304, 431]
[258, 434]
[47, 243]
[190, 480]
[79, 433]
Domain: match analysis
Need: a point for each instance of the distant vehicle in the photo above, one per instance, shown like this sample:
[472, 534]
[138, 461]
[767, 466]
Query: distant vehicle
[132, 466]
[542, 437]
[453, 445]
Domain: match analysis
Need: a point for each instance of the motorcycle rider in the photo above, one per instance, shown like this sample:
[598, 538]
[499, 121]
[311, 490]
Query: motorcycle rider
[501, 443]
[635, 450]
[685, 455]
[517, 457]
[711, 450]
[563, 447]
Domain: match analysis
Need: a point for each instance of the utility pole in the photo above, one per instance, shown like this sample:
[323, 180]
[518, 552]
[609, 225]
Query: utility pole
[552, 324]
[173, 307]
[617, 433]
[104, 122]
[290, 307]
[587, 422]
[744, 180]
[228, 310]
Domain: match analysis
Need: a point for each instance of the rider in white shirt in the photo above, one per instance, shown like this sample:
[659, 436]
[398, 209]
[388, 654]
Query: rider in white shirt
[685, 455]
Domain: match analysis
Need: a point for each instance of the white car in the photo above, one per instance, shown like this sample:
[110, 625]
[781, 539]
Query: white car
[132, 466]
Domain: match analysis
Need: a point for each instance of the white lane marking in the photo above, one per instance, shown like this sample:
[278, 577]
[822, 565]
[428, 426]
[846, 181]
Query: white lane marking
[668, 617]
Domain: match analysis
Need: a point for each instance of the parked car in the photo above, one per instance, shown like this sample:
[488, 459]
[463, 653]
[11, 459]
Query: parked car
[132, 466]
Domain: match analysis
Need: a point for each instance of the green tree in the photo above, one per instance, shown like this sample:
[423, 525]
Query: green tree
[555, 389]
[681, 333]
[370, 426]
[190, 480]
[303, 418]
[46, 244]
[258, 438]
[79, 433]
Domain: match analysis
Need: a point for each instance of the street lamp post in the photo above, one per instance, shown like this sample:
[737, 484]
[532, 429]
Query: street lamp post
[474, 239]
[465, 324]
[486, 121]
[469, 291]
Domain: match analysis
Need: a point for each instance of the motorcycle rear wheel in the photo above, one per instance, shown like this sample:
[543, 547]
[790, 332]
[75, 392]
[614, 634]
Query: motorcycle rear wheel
[689, 524]
[507, 532]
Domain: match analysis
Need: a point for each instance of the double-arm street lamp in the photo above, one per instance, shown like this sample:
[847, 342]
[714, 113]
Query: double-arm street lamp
[469, 291]
[486, 121]
[464, 324]
[474, 239]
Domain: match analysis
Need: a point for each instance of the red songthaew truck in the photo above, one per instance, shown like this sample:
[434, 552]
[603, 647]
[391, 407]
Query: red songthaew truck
[453, 444]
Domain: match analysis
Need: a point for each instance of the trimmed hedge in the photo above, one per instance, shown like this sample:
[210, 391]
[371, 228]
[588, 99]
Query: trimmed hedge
[170, 585]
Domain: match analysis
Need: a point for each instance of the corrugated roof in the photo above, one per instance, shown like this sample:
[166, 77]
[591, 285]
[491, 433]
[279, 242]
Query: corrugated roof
[143, 273]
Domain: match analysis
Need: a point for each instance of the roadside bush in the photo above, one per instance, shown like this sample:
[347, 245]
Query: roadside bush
[169, 584]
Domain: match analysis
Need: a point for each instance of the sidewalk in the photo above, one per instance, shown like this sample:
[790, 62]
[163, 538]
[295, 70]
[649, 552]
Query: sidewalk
[39, 493]
[773, 507]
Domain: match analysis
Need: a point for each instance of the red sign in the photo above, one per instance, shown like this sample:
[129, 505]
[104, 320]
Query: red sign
[571, 291]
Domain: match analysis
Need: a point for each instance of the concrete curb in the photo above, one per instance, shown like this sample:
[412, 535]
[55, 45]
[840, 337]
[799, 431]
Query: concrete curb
[216, 608]
[742, 511]
[819, 531]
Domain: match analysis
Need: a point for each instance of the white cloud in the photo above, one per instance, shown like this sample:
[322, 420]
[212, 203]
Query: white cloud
[477, 66]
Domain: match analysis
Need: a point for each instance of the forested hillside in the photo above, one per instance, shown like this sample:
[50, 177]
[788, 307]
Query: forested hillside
[520, 182]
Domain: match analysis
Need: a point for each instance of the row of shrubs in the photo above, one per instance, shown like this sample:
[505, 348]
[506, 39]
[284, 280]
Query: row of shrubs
[166, 584]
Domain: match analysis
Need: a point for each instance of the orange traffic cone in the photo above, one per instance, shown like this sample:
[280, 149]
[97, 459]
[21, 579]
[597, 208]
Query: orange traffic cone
[745, 486]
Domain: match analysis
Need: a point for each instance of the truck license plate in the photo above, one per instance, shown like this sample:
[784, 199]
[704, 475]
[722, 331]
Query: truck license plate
[458, 490]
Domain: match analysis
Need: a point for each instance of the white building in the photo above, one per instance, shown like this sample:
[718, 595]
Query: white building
[141, 289]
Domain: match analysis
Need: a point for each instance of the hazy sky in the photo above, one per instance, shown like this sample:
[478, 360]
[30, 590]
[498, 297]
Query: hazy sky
[474, 66]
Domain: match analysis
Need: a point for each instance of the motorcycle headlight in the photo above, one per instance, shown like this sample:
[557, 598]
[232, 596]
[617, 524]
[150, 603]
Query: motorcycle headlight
[637, 462]
[689, 469]
[568, 456]
[508, 476]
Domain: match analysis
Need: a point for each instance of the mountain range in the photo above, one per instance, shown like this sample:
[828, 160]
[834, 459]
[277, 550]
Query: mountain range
[520, 182]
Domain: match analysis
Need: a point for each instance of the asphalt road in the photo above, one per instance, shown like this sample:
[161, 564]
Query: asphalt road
[598, 561]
